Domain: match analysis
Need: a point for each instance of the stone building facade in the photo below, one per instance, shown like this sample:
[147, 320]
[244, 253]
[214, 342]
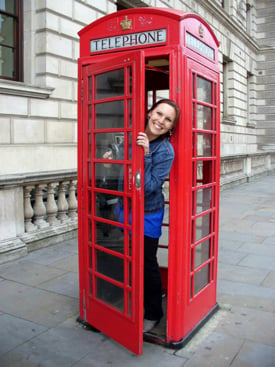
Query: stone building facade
[38, 105]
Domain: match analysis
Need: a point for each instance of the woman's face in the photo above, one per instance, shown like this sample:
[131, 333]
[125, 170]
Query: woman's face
[161, 120]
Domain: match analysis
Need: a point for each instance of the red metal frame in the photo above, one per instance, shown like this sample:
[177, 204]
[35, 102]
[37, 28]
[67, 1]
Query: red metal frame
[191, 49]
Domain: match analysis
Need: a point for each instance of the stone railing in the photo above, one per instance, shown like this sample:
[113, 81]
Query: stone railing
[38, 210]
[238, 169]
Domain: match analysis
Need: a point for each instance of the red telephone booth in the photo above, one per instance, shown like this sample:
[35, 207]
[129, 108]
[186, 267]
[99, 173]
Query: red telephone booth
[128, 60]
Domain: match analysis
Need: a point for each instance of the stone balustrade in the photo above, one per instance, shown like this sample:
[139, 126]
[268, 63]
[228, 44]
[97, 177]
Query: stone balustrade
[38, 210]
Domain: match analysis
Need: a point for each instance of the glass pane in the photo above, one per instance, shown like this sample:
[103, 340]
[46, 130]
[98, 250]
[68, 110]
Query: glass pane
[106, 205]
[8, 6]
[90, 258]
[203, 173]
[129, 147]
[130, 274]
[109, 236]
[90, 231]
[90, 173]
[202, 226]
[204, 145]
[202, 253]
[204, 90]
[90, 207]
[110, 115]
[203, 200]
[110, 143]
[194, 116]
[89, 145]
[90, 87]
[109, 265]
[109, 178]
[130, 304]
[130, 113]
[91, 284]
[7, 62]
[6, 30]
[110, 84]
[204, 117]
[110, 294]
[201, 279]
[90, 117]
[129, 75]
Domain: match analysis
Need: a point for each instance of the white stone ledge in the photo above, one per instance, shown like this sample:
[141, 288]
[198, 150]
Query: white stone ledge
[30, 178]
[23, 90]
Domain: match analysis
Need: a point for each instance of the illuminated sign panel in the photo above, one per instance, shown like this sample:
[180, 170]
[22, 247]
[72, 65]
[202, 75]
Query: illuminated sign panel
[199, 46]
[128, 40]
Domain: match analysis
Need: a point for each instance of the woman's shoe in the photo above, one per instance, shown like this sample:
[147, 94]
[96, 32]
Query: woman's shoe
[149, 325]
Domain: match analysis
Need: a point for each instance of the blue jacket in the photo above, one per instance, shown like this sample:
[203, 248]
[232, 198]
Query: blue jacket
[157, 165]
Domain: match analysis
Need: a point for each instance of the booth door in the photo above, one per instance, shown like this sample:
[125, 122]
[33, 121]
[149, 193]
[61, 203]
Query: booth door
[203, 89]
[112, 244]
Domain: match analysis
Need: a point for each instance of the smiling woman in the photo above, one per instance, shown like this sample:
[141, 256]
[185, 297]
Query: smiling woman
[159, 156]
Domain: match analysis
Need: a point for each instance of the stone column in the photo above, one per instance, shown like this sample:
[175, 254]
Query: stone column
[39, 207]
[51, 206]
[28, 210]
[62, 203]
[72, 200]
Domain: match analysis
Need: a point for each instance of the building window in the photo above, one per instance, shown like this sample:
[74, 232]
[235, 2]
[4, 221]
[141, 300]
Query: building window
[251, 99]
[227, 91]
[11, 20]
[127, 4]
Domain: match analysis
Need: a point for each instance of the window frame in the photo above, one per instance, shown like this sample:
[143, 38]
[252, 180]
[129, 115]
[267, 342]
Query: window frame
[18, 41]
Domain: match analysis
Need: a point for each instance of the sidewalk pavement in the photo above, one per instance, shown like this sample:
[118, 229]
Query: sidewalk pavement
[39, 301]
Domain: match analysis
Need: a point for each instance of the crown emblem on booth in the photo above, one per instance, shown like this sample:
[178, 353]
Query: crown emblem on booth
[201, 31]
[126, 23]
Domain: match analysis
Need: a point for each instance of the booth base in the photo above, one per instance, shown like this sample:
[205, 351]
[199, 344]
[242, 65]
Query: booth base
[86, 325]
[158, 334]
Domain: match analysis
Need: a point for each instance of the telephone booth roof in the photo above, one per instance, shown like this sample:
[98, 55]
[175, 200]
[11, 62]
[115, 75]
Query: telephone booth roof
[120, 30]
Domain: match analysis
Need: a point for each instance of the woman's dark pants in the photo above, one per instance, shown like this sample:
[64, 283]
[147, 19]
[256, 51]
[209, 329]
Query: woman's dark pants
[152, 281]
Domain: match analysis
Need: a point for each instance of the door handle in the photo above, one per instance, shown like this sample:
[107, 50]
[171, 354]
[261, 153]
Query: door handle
[138, 180]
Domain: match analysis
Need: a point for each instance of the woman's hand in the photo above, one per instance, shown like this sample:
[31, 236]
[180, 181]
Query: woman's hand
[143, 141]
[108, 155]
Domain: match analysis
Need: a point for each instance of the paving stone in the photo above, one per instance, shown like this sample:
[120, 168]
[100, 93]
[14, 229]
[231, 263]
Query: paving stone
[15, 331]
[28, 273]
[255, 355]
[217, 350]
[245, 323]
[270, 241]
[66, 284]
[229, 244]
[52, 254]
[259, 261]
[256, 303]
[69, 263]
[244, 289]
[231, 257]
[60, 346]
[36, 305]
[269, 281]
[257, 249]
[110, 353]
[241, 274]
